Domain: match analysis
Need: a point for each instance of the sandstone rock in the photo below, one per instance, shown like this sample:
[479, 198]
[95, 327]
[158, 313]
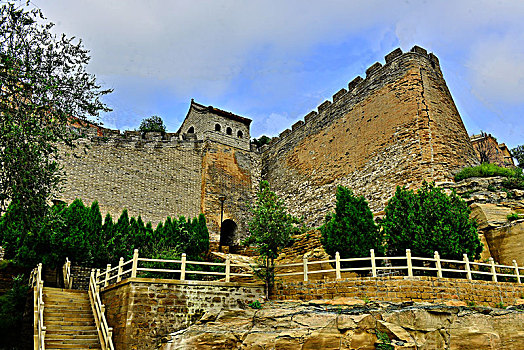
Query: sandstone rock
[489, 215]
[507, 243]
[301, 326]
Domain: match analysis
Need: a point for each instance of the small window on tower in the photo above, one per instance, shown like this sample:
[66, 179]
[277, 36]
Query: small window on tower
[229, 131]
[240, 134]
[191, 130]
[217, 127]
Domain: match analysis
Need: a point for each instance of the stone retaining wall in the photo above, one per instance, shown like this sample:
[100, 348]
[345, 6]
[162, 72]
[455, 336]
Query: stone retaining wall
[400, 289]
[143, 311]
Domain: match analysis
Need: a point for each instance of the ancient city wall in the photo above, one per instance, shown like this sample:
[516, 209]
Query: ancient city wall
[151, 178]
[398, 126]
[142, 311]
[401, 289]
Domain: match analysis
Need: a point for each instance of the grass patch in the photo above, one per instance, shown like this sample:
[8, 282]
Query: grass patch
[514, 176]
[484, 170]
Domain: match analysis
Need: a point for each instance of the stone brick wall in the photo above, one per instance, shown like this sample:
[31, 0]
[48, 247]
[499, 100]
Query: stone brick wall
[81, 275]
[229, 172]
[142, 311]
[154, 179]
[399, 126]
[400, 289]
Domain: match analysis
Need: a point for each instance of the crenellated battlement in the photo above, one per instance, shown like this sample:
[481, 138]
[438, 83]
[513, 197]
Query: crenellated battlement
[358, 86]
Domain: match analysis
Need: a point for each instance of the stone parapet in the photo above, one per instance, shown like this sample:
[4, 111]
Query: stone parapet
[403, 289]
[142, 311]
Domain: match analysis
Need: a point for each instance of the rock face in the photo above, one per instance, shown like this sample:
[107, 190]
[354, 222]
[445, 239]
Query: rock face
[491, 204]
[317, 325]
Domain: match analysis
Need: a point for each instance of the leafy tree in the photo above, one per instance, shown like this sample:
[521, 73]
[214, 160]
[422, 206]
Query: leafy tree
[261, 141]
[518, 154]
[351, 230]
[429, 220]
[43, 87]
[270, 230]
[153, 123]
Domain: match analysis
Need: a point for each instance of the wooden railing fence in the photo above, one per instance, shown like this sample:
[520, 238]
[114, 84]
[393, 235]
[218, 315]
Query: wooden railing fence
[105, 333]
[36, 282]
[183, 269]
[408, 265]
[66, 273]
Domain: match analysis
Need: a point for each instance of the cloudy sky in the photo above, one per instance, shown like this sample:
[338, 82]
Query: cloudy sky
[275, 61]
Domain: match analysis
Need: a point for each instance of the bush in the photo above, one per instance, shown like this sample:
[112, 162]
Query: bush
[153, 123]
[484, 170]
[351, 230]
[12, 305]
[77, 232]
[429, 220]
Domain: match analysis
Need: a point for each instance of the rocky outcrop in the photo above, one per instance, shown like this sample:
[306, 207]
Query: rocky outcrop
[354, 324]
[490, 205]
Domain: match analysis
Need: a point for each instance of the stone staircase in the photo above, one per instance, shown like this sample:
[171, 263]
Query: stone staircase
[69, 320]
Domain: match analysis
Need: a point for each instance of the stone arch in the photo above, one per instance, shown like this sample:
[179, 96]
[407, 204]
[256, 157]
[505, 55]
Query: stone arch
[191, 130]
[217, 127]
[229, 131]
[240, 134]
[228, 232]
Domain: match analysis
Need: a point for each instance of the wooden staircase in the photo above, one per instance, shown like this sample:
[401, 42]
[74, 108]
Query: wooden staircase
[69, 320]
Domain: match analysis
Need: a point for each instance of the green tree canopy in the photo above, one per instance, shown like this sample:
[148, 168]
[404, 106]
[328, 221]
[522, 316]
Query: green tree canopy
[429, 220]
[44, 87]
[518, 154]
[153, 123]
[351, 230]
[261, 141]
[270, 229]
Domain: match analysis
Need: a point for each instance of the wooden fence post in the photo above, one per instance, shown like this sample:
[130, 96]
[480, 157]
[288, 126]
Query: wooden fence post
[438, 265]
[337, 266]
[373, 263]
[120, 269]
[135, 264]
[410, 263]
[183, 268]
[304, 261]
[228, 268]
[493, 269]
[468, 267]
[97, 277]
[517, 273]
[108, 267]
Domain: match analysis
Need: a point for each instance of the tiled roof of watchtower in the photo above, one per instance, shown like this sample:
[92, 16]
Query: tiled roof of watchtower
[220, 112]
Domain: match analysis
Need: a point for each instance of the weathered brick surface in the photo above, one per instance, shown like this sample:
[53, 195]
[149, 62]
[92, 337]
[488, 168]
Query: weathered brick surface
[399, 126]
[142, 311]
[399, 289]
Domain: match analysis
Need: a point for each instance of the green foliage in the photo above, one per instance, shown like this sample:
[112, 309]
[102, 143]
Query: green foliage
[270, 229]
[515, 181]
[429, 220]
[255, 305]
[500, 305]
[484, 170]
[351, 230]
[518, 154]
[77, 232]
[153, 123]
[261, 141]
[384, 341]
[12, 306]
[43, 87]
[512, 216]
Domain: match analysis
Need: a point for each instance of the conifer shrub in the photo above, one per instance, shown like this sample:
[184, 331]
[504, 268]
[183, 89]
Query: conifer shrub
[351, 230]
[429, 220]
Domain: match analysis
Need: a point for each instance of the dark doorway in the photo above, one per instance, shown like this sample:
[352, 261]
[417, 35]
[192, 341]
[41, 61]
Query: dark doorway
[227, 232]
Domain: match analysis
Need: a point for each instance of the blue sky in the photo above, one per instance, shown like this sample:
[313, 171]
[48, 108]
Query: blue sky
[275, 61]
